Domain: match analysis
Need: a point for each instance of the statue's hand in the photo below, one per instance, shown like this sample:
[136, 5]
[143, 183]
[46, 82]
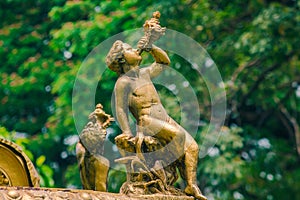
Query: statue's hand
[143, 44]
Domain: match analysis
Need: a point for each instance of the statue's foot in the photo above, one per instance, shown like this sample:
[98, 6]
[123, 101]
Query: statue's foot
[194, 191]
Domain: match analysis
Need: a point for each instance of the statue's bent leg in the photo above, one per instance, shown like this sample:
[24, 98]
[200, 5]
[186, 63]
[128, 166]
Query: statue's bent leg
[167, 133]
[101, 165]
[80, 154]
[191, 162]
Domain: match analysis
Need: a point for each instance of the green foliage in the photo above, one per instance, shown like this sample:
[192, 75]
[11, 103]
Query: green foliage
[254, 43]
[222, 167]
[73, 177]
[45, 172]
[117, 177]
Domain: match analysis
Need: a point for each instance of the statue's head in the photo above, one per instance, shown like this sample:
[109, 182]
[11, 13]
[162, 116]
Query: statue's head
[115, 57]
[122, 58]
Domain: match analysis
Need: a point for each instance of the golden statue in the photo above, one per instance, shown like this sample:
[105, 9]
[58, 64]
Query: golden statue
[156, 131]
[89, 151]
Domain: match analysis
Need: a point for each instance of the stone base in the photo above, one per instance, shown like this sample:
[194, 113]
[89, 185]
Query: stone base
[36, 193]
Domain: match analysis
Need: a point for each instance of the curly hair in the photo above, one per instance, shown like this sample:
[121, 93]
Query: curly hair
[115, 58]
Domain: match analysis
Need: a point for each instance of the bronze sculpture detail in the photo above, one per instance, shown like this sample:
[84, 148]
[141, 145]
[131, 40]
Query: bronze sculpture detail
[157, 134]
[93, 165]
[16, 169]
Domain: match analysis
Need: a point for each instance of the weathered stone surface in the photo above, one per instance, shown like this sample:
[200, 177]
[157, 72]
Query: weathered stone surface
[35, 193]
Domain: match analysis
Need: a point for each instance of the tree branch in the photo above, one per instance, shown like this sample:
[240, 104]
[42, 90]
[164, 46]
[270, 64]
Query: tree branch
[294, 124]
[242, 67]
[257, 82]
[261, 79]
[290, 122]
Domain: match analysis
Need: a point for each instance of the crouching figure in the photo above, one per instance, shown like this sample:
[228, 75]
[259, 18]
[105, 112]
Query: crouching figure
[93, 166]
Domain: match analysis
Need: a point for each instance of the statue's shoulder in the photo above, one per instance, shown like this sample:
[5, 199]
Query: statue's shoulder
[124, 83]
[123, 80]
[145, 71]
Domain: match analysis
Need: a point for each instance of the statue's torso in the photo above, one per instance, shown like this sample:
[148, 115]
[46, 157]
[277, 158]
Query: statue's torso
[144, 99]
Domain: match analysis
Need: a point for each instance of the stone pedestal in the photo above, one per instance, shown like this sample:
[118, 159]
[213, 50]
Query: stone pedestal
[36, 193]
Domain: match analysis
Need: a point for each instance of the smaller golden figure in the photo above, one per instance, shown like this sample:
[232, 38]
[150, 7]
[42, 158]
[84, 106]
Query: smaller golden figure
[90, 148]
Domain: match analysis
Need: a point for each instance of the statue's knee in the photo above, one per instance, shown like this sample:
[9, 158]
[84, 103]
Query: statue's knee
[180, 135]
[193, 147]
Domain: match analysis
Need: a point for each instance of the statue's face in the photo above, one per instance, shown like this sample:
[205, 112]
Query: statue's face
[131, 55]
